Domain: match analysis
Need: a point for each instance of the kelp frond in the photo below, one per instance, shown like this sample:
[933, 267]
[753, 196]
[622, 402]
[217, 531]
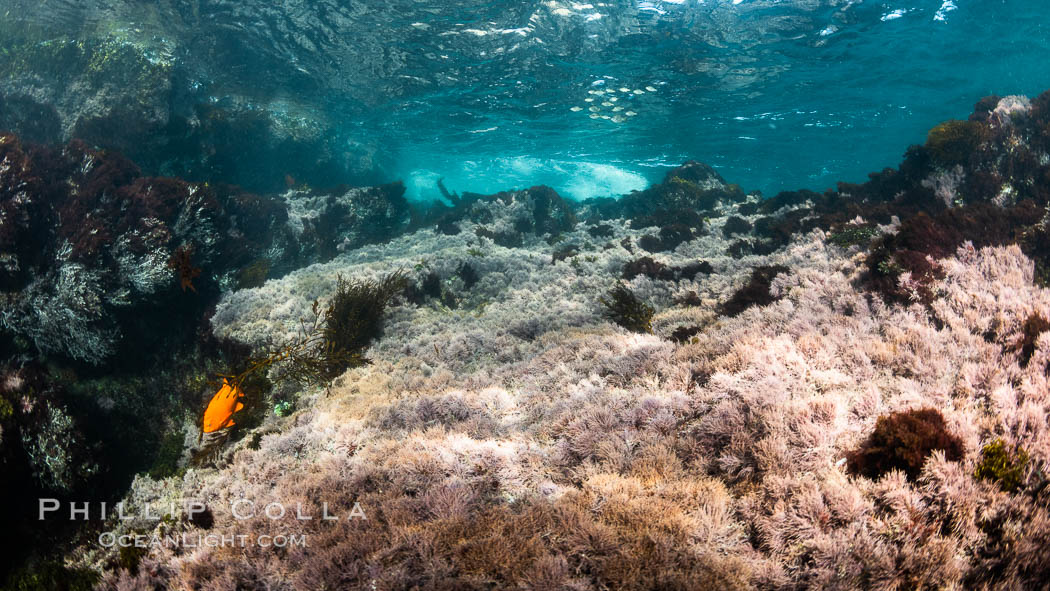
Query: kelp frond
[624, 308]
[336, 336]
[354, 317]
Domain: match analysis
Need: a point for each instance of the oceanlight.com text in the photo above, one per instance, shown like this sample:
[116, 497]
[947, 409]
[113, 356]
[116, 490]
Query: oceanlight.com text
[110, 539]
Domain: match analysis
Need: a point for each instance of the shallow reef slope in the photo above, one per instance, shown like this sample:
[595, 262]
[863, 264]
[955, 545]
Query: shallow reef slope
[508, 434]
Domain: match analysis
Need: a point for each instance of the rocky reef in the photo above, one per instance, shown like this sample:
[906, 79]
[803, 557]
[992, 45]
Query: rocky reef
[107, 279]
[687, 386]
[87, 242]
[127, 91]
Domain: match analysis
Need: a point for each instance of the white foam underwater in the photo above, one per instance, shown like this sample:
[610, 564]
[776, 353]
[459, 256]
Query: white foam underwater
[574, 180]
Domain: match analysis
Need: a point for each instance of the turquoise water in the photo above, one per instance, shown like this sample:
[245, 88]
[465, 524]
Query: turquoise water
[775, 97]
[775, 94]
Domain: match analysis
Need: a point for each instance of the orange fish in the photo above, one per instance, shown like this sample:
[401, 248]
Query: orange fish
[226, 401]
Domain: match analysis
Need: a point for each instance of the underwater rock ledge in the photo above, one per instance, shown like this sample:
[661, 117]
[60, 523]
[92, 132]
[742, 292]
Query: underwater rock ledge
[129, 92]
[765, 427]
[88, 243]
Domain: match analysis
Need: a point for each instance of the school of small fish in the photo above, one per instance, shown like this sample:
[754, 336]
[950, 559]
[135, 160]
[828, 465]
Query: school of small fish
[606, 97]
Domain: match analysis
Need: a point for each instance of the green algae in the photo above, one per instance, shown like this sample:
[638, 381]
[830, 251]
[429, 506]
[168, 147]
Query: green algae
[1003, 465]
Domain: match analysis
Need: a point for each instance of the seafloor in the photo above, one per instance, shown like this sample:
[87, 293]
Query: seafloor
[837, 391]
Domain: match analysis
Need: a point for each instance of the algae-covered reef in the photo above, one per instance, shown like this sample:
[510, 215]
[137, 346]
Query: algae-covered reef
[687, 387]
[108, 277]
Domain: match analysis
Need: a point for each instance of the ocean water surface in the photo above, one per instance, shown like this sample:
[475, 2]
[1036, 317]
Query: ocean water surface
[592, 98]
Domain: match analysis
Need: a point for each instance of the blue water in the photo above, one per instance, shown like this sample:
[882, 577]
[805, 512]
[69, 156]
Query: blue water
[775, 94]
